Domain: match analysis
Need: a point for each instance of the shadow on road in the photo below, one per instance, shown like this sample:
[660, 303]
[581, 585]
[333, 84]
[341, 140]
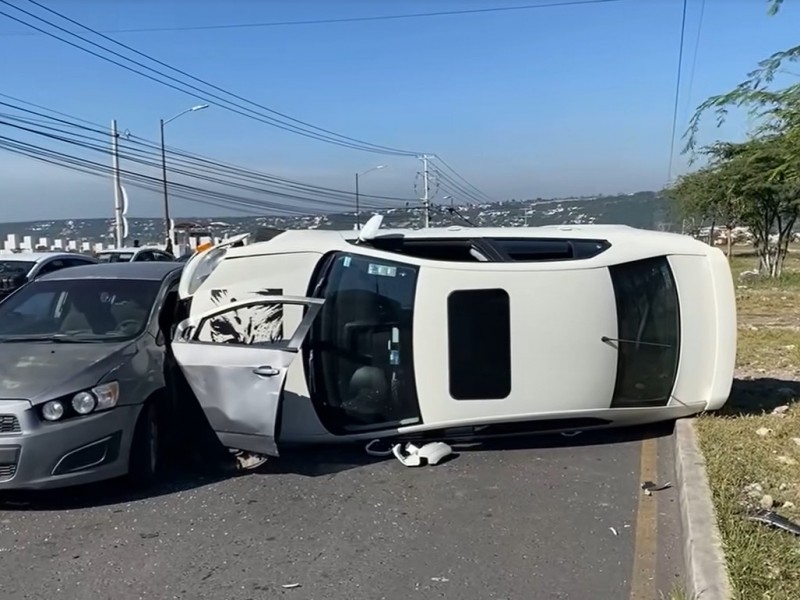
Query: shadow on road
[758, 395]
[306, 461]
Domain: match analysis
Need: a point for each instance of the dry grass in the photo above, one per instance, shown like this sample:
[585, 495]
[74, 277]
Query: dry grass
[763, 563]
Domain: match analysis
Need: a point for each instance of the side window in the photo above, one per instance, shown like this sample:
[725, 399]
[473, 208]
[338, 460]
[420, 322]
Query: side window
[479, 344]
[163, 257]
[52, 266]
[648, 320]
[76, 262]
[259, 324]
[144, 256]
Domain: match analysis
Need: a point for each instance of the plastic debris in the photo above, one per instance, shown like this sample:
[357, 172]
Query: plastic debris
[614, 531]
[649, 487]
[441, 579]
[773, 519]
[290, 586]
[369, 449]
[429, 454]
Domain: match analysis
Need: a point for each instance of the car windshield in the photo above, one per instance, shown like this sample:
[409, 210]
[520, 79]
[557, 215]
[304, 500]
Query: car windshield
[78, 310]
[113, 257]
[14, 268]
[360, 348]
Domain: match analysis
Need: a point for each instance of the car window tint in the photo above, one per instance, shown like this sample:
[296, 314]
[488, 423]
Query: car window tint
[53, 265]
[479, 344]
[89, 309]
[648, 332]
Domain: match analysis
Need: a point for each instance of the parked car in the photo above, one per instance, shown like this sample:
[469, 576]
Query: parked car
[82, 382]
[323, 336]
[136, 254]
[18, 269]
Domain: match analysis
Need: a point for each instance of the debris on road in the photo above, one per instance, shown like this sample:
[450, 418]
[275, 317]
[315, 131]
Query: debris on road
[429, 454]
[614, 531]
[773, 519]
[440, 579]
[649, 487]
[571, 433]
[372, 452]
[148, 536]
[290, 586]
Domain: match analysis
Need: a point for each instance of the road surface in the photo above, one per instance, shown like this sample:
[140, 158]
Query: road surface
[551, 517]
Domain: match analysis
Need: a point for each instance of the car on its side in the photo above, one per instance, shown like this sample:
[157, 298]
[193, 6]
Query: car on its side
[326, 336]
[82, 375]
[18, 269]
[134, 254]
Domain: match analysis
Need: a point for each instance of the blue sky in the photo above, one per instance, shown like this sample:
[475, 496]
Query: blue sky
[546, 102]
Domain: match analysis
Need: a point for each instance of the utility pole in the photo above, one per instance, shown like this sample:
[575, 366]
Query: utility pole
[426, 198]
[167, 232]
[118, 231]
[358, 211]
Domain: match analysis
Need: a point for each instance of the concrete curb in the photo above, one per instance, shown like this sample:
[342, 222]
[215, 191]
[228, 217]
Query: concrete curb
[706, 569]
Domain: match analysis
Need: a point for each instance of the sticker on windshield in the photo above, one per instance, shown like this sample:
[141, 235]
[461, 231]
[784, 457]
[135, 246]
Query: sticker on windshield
[346, 261]
[383, 270]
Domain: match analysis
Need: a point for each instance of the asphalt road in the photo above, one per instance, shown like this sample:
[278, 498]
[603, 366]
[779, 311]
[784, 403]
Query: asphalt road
[524, 520]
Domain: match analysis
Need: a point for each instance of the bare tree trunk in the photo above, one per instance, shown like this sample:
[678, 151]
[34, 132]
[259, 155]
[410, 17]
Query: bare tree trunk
[730, 241]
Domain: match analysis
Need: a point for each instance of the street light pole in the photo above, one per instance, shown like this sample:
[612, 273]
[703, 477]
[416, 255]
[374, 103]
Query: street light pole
[162, 123]
[166, 195]
[358, 207]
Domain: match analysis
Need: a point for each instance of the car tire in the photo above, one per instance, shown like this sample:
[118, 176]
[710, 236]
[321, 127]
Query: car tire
[146, 448]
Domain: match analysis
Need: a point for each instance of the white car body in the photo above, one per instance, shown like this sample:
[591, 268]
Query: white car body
[480, 344]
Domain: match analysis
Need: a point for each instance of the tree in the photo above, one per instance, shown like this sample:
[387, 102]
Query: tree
[746, 183]
[756, 182]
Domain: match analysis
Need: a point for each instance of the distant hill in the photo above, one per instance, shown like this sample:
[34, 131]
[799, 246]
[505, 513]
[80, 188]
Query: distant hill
[647, 210]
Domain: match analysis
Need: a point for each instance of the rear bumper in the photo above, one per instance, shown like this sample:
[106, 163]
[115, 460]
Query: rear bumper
[78, 451]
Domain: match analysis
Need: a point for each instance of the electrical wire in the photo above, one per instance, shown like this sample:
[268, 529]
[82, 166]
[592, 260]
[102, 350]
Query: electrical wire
[694, 56]
[306, 130]
[346, 19]
[677, 92]
[185, 158]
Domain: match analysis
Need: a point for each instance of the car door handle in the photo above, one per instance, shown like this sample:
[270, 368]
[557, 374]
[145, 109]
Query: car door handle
[266, 371]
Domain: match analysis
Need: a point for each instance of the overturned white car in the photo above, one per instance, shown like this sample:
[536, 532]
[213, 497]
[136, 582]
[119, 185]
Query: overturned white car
[319, 336]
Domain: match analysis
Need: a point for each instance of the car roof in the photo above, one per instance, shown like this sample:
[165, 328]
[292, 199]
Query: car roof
[40, 256]
[148, 271]
[318, 240]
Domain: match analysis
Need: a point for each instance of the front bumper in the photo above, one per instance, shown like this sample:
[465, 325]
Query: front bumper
[39, 455]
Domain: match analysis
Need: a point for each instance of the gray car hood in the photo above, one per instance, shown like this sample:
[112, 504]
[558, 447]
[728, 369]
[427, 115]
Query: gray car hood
[41, 371]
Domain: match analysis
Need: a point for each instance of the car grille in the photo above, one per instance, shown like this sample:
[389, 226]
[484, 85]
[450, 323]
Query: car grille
[9, 424]
[7, 471]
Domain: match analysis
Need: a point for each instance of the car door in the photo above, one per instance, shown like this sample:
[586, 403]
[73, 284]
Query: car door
[235, 358]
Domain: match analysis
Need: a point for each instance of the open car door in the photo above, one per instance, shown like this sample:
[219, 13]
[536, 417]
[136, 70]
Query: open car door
[235, 358]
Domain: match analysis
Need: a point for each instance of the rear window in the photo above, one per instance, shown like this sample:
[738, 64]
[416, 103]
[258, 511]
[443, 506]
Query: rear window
[648, 320]
[112, 257]
[479, 344]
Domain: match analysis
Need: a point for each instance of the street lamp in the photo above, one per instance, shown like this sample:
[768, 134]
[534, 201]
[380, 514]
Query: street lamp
[164, 169]
[358, 210]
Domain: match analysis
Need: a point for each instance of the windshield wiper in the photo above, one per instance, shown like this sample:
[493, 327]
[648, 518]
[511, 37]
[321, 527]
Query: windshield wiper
[57, 338]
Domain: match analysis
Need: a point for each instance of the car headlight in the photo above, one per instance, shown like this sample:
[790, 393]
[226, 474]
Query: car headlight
[206, 263]
[53, 410]
[101, 397]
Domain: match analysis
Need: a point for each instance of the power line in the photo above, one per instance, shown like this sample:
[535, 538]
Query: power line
[677, 92]
[694, 56]
[306, 130]
[303, 128]
[345, 19]
[176, 155]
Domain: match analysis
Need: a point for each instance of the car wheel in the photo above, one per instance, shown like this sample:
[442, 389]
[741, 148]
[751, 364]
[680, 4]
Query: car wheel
[145, 460]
